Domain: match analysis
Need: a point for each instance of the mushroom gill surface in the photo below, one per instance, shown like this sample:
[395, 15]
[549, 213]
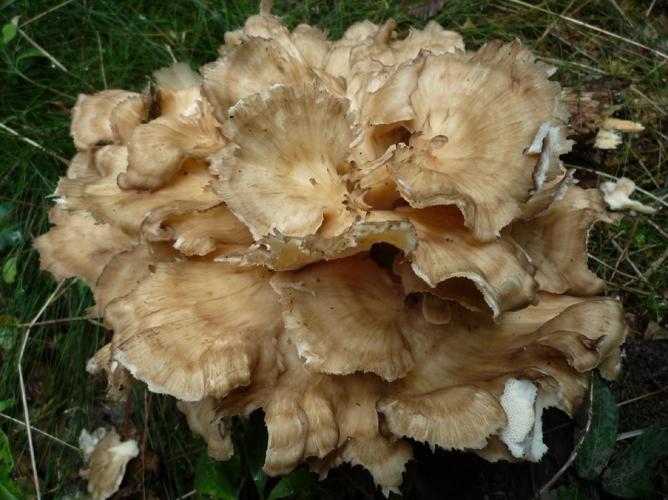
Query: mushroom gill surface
[371, 239]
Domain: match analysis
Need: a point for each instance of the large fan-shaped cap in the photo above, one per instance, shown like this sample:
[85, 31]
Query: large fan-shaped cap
[281, 172]
[314, 415]
[252, 67]
[446, 249]
[157, 150]
[452, 397]
[126, 209]
[204, 419]
[343, 317]
[178, 89]
[91, 116]
[384, 458]
[283, 253]
[125, 271]
[78, 246]
[556, 241]
[196, 329]
[478, 114]
[196, 228]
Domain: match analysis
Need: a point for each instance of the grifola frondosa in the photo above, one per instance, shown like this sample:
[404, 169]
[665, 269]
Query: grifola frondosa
[371, 239]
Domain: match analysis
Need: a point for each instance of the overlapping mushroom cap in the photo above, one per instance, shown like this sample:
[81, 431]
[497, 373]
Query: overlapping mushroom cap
[371, 239]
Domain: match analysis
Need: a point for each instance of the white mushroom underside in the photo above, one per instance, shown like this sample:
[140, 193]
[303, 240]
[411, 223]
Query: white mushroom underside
[523, 433]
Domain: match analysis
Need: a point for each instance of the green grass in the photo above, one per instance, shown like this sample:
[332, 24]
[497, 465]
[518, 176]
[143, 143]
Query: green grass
[118, 43]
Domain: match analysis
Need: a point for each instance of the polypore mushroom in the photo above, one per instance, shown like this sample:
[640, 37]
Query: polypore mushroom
[106, 457]
[370, 239]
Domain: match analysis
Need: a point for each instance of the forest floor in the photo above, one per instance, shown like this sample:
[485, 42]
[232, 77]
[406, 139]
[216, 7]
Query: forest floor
[617, 50]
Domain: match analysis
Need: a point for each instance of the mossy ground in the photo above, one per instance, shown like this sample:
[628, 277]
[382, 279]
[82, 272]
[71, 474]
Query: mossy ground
[106, 43]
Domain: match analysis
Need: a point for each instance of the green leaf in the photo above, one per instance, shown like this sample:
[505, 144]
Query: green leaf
[9, 32]
[9, 490]
[6, 403]
[9, 237]
[599, 444]
[632, 473]
[217, 480]
[6, 460]
[255, 448]
[8, 333]
[6, 210]
[298, 481]
[573, 491]
[29, 54]
[9, 270]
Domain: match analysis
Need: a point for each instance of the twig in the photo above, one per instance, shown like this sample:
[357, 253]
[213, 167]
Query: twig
[43, 51]
[640, 398]
[659, 230]
[187, 495]
[619, 9]
[591, 27]
[633, 88]
[32, 143]
[43, 433]
[649, 9]
[53, 321]
[99, 49]
[656, 264]
[38, 16]
[574, 453]
[572, 63]
[549, 28]
[628, 435]
[608, 266]
[627, 258]
[169, 51]
[24, 399]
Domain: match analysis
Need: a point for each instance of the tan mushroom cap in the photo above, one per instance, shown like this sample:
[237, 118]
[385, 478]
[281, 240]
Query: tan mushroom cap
[111, 160]
[126, 209]
[375, 182]
[107, 465]
[91, 117]
[125, 271]
[204, 419]
[282, 253]
[126, 116]
[446, 249]
[196, 329]
[472, 149]
[384, 458]
[343, 317]
[280, 173]
[461, 290]
[556, 242]
[104, 161]
[178, 89]
[312, 43]
[452, 398]
[119, 379]
[366, 41]
[157, 150]
[81, 165]
[383, 98]
[79, 246]
[313, 415]
[197, 229]
[550, 177]
[252, 67]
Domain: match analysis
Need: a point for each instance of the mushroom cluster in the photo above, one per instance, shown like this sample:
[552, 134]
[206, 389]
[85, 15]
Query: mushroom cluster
[371, 239]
